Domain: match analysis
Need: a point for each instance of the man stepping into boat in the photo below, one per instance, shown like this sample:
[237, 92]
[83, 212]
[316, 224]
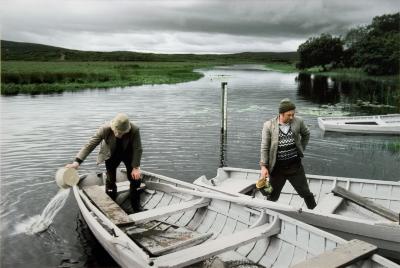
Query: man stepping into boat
[120, 142]
[284, 139]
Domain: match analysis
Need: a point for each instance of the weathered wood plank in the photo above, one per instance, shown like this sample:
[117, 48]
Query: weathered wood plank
[159, 212]
[201, 252]
[368, 204]
[106, 205]
[341, 256]
[329, 203]
[158, 238]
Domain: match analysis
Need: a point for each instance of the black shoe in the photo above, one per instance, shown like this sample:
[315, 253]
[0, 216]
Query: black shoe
[112, 194]
[310, 202]
[137, 210]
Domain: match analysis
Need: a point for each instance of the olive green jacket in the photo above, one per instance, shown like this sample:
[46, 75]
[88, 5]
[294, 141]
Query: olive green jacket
[107, 140]
[270, 136]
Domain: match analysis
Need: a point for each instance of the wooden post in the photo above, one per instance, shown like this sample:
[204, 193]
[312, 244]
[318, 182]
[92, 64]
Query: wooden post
[224, 107]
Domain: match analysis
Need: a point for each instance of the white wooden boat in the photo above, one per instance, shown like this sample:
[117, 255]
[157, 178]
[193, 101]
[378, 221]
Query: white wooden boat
[376, 124]
[373, 218]
[183, 226]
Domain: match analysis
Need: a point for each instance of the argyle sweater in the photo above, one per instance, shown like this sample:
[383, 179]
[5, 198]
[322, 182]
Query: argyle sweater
[286, 146]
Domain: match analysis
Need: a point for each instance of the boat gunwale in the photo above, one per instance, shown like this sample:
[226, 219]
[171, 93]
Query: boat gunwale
[322, 177]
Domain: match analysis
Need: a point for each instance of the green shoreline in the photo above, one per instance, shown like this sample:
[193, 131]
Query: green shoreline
[23, 77]
[29, 77]
[343, 73]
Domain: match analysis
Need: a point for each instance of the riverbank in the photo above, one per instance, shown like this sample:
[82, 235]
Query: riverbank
[54, 77]
[343, 73]
[281, 67]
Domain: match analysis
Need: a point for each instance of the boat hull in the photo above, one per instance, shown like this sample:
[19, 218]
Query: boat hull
[389, 124]
[345, 219]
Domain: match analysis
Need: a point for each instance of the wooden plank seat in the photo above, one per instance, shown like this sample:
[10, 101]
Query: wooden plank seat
[366, 203]
[329, 203]
[341, 256]
[158, 212]
[119, 217]
[232, 186]
[106, 205]
[158, 237]
[208, 249]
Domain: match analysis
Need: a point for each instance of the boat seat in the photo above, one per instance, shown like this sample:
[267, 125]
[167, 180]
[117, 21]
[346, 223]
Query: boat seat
[232, 186]
[158, 237]
[208, 249]
[106, 205]
[329, 203]
[341, 256]
[366, 203]
[158, 212]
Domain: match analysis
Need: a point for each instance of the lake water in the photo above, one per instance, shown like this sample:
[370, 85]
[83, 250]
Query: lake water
[180, 129]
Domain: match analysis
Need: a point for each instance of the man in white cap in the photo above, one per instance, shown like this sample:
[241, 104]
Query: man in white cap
[120, 142]
[284, 139]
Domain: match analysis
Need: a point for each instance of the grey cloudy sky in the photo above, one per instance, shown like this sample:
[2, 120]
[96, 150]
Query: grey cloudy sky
[183, 26]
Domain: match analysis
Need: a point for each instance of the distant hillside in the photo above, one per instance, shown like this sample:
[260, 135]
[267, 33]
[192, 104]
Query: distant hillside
[19, 51]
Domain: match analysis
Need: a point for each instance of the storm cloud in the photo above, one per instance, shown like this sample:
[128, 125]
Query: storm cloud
[183, 26]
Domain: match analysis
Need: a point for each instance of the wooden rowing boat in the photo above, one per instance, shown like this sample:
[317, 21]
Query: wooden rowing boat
[348, 207]
[184, 226]
[376, 124]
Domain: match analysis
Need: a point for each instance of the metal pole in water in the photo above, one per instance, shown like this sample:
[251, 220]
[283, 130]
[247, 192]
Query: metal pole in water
[224, 107]
[224, 123]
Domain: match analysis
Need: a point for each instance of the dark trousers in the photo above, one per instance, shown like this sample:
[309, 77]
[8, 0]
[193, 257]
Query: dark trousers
[294, 172]
[111, 188]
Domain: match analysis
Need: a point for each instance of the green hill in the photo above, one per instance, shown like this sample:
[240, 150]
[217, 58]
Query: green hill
[19, 51]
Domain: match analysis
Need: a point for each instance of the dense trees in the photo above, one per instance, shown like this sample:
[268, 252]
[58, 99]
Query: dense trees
[320, 51]
[375, 48]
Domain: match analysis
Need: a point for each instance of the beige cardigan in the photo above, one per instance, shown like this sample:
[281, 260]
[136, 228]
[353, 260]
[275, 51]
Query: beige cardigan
[270, 135]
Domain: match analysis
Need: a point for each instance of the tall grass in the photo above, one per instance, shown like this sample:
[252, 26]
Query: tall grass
[50, 77]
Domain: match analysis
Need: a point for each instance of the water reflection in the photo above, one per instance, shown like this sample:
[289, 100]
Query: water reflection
[351, 96]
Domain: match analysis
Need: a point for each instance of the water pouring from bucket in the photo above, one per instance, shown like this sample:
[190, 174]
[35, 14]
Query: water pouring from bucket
[65, 179]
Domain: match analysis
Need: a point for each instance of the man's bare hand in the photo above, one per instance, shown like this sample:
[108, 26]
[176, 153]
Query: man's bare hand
[264, 172]
[136, 173]
[74, 165]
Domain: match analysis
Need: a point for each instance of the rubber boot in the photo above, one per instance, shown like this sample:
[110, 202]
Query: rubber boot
[310, 202]
[111, 187]
[135, 198]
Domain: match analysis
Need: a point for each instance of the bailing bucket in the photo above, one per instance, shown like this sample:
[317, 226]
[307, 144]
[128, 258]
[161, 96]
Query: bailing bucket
[66, 177]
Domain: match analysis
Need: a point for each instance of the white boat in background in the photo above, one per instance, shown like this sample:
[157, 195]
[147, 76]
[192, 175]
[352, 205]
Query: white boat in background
[376, 124]
[186, 225]
[366, 209]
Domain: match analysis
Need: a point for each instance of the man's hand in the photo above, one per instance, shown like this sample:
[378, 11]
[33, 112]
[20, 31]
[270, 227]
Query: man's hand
[74, 165]
[264, 172]
[136, 173]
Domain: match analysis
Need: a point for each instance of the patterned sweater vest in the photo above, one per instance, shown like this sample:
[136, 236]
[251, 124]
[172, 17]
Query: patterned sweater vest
[286, 146]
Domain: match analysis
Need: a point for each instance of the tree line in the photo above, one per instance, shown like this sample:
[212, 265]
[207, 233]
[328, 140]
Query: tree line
[375, 48]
